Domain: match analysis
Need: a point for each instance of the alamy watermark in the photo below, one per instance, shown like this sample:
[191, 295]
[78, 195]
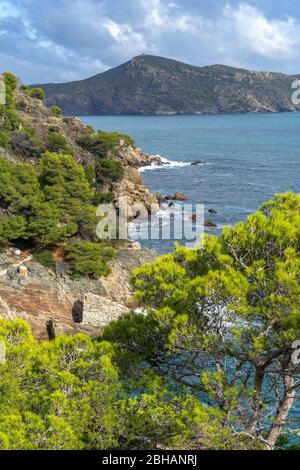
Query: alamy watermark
[2, 91]
[181, 222]
[2, 353]
[296, 93]
[296, 353]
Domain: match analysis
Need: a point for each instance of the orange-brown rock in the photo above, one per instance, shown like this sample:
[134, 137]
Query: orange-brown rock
[54, 295]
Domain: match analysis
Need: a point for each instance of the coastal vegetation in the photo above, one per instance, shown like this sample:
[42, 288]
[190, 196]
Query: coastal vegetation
[221, 321]
[47, 198]
[208, 364]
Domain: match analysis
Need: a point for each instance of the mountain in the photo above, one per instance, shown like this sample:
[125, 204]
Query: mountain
[150, 85]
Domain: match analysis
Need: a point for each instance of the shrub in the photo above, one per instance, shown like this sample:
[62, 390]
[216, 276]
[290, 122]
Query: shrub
[21, 105]
[11, 81]
[103, 198]
[23, 145]
[56, 142]
[56, 110]
[4, 139]
[109, 169]
[103, 143]
[8, 111]
[89, 259]
[45, 258]
[91, 129]
[25, 88]
[90, 173]
[54, 129]
[37, 93]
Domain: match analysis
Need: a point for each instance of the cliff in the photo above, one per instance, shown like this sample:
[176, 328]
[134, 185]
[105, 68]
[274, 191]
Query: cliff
[28, 289]
[36, 294]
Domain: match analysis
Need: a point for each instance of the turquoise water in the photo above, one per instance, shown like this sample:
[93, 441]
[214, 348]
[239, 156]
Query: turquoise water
[248, 159]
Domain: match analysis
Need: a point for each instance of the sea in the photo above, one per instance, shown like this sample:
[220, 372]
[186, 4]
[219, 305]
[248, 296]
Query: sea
[243, 161]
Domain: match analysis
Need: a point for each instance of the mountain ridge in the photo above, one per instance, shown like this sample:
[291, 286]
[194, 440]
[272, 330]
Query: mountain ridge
[152, 85]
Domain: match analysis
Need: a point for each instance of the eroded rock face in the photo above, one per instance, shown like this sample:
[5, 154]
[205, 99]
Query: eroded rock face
[99, 311]
[54, 295]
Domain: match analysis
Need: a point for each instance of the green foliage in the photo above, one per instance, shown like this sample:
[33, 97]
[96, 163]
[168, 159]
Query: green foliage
[10, 81]
[103, 143]
[8, 111]
[25, 88]
[221, 320]
[56, 395]
[45, 258]
[56, 142]
[66, 395]
[89, 259]
[90, 173]
[53, 200]
[37, 93]
[107, 168]
[11, 228]
[90, 129]
[56, 110]
[4, 139]
[103, 198]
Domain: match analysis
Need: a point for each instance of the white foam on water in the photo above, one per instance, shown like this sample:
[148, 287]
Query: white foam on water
[168, 164]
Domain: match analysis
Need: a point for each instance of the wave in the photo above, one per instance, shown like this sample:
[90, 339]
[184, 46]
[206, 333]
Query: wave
[161, 163]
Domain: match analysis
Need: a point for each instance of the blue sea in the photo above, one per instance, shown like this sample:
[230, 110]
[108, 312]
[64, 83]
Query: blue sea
[246, 160]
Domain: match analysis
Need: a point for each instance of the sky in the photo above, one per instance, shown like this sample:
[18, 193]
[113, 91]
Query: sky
[56, 41]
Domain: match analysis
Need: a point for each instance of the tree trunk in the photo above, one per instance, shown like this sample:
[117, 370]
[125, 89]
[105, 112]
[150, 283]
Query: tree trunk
[285, 404]
[258, 382]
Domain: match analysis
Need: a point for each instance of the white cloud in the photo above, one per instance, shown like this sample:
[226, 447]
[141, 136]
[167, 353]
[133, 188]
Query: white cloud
[165, 18]
[124, 35]
[84, 37]
[258, 34]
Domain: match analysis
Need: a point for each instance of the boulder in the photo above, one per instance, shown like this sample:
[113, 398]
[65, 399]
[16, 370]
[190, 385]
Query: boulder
[210, 224]
[156, 161]
[180, 197]
[197, 162]
[212, 211]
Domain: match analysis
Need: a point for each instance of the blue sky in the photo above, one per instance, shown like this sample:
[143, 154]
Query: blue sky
[47, 40]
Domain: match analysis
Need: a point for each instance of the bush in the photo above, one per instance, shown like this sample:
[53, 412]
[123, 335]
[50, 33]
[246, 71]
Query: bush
[103, 143]
[56, 110]
[90, 173]
[56, 142]
[54, 129]
[45, 258]
[91, 129]
[89, 259]
[109, 169]
[37, 93]
[4, 139]
[23, 145]
[103, 198]
[25, 88]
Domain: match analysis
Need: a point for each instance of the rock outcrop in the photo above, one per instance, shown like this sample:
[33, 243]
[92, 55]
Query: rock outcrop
[36, 294]
[132, 186]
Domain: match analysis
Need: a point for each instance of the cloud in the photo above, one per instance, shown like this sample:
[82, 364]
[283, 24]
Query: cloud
[266, 37]
[42, 42]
